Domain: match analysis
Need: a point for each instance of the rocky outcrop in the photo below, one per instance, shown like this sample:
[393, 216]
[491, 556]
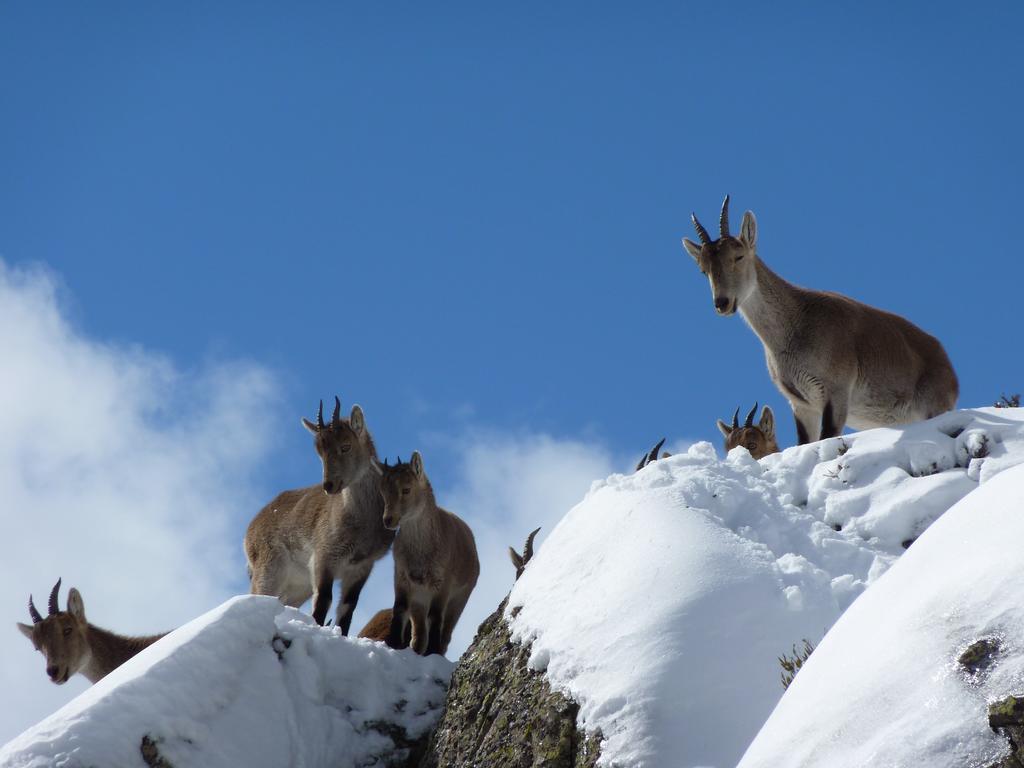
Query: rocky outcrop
[501, 714]
[1007, 717]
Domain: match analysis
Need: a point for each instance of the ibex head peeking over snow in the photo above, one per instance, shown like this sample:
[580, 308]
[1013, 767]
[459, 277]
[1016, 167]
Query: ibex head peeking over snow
[71, 644]
[341, 448]
[835, 360]
[759, 440]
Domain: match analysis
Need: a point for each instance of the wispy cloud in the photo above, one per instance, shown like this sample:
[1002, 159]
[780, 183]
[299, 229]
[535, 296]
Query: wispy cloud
[119, 472]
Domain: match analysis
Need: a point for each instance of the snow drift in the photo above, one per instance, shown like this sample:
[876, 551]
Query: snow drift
[885, 688]
[661, 602]
[249, 683]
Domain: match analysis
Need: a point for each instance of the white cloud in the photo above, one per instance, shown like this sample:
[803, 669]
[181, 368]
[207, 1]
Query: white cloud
[118, 472]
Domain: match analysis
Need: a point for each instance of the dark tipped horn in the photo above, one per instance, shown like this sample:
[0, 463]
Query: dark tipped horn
[336, 418]
[398, 460]
[653, 455]
[320, 416]
[52, 606]
[750, 417]
[36, 618]
[723, 220]
[736, 418]
[385, 461]
[528, 549]
[702, 233]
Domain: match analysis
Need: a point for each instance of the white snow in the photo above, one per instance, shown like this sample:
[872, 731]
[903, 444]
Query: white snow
[662, 600]
[249, 683]
[884, 688]
[660, 603]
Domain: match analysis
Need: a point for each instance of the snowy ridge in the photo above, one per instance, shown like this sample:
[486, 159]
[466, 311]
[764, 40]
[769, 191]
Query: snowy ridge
[662, 600]
[884, 688]
[249, 683]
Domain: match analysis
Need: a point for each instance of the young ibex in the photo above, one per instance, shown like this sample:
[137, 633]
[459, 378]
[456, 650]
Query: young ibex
[835, 360]
[305, 539]
[520, 561]
[379, 627]
[759, 440]
[436, 565]
[72, 645]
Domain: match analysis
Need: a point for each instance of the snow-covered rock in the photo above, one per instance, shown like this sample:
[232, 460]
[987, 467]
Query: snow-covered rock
[661, 602]
[885, 687]
[249, 683]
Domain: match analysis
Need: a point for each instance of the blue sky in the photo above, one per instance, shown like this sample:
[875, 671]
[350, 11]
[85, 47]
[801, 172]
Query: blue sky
[468, 218]
[478, 211]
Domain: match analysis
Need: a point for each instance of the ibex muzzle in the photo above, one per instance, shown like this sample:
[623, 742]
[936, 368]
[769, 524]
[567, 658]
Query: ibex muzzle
[835, 360]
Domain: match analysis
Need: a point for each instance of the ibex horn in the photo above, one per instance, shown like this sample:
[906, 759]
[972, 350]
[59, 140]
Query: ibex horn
[336, 418]
[653, 455]
[36, 618]
[723, 221]
[398, 460]
[702, 233]
[52, 607]
[750, 417]
[528, 549]
[385, 461]
[736, 418]
[320, 417]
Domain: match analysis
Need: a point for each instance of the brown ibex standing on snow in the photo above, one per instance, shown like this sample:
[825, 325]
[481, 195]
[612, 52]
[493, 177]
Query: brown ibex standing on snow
[835, 360]
[72, 645]
[436, 565]
[305, 539]
[759, 440]
[379, 627]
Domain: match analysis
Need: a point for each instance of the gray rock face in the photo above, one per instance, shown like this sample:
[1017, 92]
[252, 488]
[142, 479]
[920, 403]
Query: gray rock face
[500, 714]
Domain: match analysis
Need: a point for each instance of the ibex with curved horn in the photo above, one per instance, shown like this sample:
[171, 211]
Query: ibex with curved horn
[72, 645]
[759, 440]
[305, 539]
[835, 360]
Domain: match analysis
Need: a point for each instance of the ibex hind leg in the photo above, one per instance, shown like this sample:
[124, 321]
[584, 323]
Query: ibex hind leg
[435, 622]
[452, 612]
[418, 617]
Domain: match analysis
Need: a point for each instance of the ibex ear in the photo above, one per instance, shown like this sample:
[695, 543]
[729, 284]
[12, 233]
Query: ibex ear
[75, 605]
[724, 428]
[416, 462]
[26, 630]
[767, 423]
[692, 248]
[748, 229]
[309, 425]
[357, 421]
[515, 557]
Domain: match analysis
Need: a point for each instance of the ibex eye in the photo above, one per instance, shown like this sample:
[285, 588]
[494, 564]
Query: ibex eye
[405, 491]
[67, 631]
[346, 448]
